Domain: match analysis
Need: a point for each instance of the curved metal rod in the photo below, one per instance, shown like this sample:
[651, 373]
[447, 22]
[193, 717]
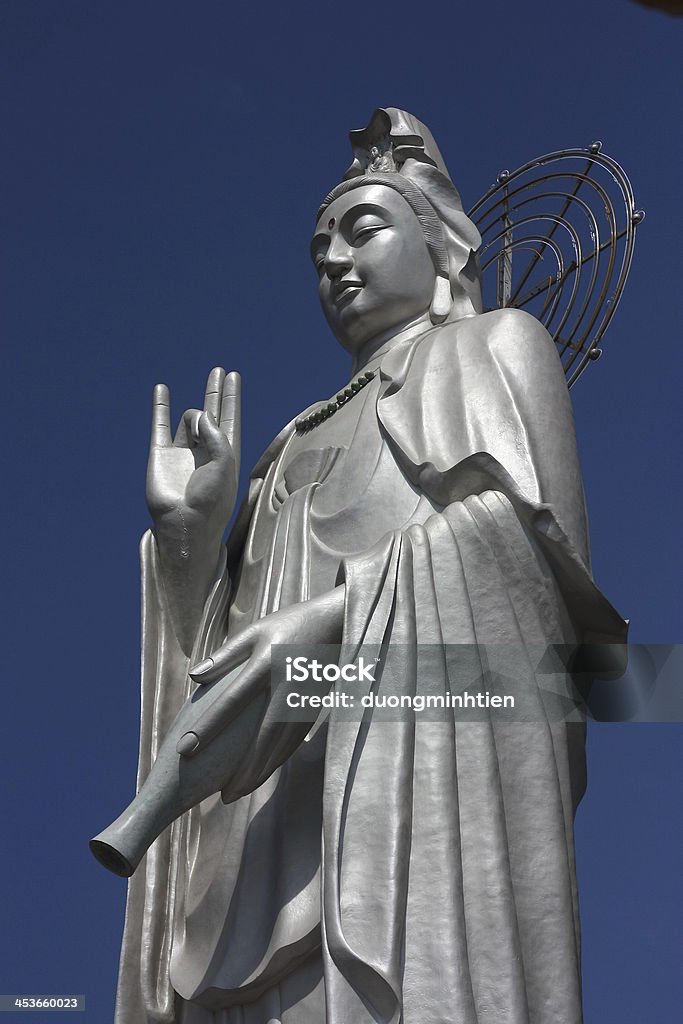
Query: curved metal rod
[614, 235]
[601, 159]
[542, 240]
[503, 248]
[592, 162]
[581, 179]
[577, 178]
[557, 252]
[549, 241]
[611, 217]
[561, 274]
[611, 305]
[595, 232]
[569, 198]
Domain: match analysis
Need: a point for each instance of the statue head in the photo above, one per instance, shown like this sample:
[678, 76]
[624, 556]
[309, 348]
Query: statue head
[392, 242]
[375, 261]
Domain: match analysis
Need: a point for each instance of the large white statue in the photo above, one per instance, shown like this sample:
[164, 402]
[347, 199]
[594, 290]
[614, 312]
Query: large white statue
[357, 870]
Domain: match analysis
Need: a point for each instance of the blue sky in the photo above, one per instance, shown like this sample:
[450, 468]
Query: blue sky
[163, 164]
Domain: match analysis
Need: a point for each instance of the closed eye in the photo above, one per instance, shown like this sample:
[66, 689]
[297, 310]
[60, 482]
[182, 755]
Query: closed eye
[364, 233]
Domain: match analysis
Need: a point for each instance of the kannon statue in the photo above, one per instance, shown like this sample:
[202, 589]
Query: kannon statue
[354, 869]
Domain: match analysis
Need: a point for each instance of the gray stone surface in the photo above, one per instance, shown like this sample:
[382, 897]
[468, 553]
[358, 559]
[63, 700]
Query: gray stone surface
[337, 870]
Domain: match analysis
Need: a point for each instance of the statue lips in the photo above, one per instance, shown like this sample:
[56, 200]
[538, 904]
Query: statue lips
[344, 291]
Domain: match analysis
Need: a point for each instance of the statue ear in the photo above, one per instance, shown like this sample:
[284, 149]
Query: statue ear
[442, 300]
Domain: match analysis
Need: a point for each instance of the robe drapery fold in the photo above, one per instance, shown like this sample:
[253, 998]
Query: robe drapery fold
[424, 867]
[449, 887]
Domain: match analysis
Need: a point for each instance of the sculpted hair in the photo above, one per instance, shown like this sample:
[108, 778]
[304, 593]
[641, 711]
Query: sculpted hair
[417, 201]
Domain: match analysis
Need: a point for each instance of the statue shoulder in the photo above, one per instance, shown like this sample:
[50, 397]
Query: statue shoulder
[499, 328]
[515, 330]
[513, 339]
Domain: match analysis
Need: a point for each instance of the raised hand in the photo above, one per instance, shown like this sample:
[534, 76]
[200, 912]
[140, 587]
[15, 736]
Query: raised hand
[192, 480]
[191, 489]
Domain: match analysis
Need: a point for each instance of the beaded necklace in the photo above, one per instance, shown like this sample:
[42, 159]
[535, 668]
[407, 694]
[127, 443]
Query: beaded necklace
[306, 423]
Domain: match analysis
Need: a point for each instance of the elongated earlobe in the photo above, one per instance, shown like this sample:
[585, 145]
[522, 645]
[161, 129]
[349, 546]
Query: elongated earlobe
[442, 301]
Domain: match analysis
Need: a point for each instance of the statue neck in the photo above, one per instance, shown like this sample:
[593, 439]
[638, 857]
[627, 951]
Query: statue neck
[377, 347]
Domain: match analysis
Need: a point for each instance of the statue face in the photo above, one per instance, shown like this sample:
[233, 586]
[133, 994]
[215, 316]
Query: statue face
[374, 266]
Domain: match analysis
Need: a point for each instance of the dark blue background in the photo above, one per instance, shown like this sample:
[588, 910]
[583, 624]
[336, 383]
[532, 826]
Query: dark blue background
[162, 165]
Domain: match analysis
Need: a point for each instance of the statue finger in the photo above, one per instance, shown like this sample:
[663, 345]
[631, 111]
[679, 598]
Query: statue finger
[211, 436]
[232, 700]
[214, 392]
[187, 434]
[161, 416]
[231, 410]
[232, 653]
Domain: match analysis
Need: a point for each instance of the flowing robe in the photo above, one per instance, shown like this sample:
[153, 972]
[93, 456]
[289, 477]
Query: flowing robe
[412, 871]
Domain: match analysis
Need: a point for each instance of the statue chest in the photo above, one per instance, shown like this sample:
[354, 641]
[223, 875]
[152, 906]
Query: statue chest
[332, 492]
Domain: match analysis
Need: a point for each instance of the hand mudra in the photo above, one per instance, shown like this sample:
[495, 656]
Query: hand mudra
[192, 479]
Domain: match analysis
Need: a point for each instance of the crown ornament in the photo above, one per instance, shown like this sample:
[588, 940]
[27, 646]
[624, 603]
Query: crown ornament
[390, 138]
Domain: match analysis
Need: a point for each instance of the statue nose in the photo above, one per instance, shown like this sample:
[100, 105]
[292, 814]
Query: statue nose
[338, 259]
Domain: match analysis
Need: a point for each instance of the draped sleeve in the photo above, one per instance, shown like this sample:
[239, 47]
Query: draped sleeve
[145, 992]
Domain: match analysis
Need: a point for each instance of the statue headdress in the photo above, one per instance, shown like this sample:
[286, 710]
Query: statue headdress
[399, 151]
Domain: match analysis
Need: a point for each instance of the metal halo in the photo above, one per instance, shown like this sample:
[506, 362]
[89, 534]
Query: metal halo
[557, 240]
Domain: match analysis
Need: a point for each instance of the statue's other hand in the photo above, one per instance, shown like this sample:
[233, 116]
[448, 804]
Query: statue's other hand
[192, 479]
[274, 735]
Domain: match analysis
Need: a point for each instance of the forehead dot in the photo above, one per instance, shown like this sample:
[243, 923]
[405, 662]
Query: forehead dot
[330, 224]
